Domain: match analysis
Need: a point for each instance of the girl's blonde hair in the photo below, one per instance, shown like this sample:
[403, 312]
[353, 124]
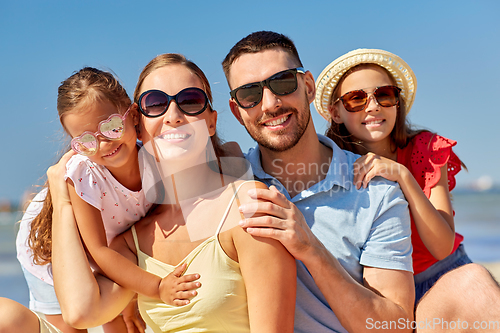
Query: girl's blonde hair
[88, 85]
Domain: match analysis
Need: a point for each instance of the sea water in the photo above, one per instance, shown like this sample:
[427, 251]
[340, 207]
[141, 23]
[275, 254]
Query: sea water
[12, 283]
[477, 218]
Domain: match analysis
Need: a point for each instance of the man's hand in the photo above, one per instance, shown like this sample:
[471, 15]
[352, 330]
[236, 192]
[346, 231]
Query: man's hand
[279, 219]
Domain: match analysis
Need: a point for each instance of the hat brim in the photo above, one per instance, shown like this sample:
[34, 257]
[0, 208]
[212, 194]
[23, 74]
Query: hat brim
[328, 79]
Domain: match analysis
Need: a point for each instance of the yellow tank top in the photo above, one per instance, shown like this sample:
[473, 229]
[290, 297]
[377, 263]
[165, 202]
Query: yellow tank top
[221, 303]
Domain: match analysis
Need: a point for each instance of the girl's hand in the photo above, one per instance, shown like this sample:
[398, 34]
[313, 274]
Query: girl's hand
[370, 165]
[177, 289]
[57, 184]
[133, 319]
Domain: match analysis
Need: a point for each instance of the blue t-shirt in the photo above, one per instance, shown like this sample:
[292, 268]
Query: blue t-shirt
[365, 227]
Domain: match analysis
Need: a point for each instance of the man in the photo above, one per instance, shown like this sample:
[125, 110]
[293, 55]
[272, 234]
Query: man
[353, 246]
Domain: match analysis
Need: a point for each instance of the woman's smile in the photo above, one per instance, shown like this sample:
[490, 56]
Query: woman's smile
[174, 136]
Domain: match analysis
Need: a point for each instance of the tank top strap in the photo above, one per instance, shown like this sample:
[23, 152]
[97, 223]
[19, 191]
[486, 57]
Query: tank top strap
[136, 240]
[235, 196]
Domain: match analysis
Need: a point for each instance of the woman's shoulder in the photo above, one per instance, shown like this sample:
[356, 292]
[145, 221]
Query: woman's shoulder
[240, 189]
[235, 195]
[249, 184]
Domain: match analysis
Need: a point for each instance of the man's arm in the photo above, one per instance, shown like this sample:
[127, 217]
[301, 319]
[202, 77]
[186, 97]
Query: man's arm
[386, 294]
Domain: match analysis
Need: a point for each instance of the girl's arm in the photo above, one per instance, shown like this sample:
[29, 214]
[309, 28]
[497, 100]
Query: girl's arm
[433, 217]
[112, 264]
[270, 279]
[86, 301]
[126, 273]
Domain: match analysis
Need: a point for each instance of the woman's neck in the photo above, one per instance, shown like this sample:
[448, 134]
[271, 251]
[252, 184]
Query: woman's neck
[189, 182]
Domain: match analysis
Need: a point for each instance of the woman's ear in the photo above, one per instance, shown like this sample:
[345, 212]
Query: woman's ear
[136, 116]
[334, 113]
[212, 122]
[134, 110]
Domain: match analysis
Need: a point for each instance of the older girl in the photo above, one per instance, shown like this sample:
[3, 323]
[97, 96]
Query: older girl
[366, 95]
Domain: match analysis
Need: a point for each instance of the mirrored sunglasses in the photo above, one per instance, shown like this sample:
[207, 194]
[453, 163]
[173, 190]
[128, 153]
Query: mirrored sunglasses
[113, 128]
[191, 101]
[281, 84]
[357, 100]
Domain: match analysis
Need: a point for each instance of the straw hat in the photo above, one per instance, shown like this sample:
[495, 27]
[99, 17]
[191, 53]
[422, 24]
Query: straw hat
[329, 78]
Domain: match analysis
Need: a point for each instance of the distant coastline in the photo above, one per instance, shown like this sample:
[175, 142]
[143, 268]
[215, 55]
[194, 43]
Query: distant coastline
[471, 189]
[12, 206]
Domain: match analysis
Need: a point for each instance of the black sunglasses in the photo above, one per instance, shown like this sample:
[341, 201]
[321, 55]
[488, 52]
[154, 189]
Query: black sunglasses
[282, 83]
[356, 100]
[191, 101]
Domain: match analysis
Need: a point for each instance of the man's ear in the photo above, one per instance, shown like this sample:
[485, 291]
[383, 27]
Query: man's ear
[334, 114]
[310, 86]
[235, 110]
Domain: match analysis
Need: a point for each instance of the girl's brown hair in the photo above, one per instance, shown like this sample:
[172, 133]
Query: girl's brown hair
[88, 85]
[167, 59]
[401, 134]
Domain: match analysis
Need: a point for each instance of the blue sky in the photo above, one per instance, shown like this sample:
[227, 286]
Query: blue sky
[452, 46]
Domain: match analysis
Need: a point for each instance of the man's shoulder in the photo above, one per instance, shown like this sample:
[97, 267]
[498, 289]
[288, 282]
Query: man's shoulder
[381, 185]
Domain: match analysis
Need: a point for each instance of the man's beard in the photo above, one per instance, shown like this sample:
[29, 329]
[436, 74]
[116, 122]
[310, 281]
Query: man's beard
[281, 143]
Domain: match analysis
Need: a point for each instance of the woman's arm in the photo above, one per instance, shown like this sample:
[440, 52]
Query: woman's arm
[85, 301]
[270, 279]
[433, 217]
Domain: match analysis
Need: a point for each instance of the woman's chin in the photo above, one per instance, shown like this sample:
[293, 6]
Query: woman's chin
[171, 153]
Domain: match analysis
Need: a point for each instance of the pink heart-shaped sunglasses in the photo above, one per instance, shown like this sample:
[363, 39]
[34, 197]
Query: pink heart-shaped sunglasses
[112, 128]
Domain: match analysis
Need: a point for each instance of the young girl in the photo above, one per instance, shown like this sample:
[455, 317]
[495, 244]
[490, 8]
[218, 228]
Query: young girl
[366, 94]
[105, 193]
